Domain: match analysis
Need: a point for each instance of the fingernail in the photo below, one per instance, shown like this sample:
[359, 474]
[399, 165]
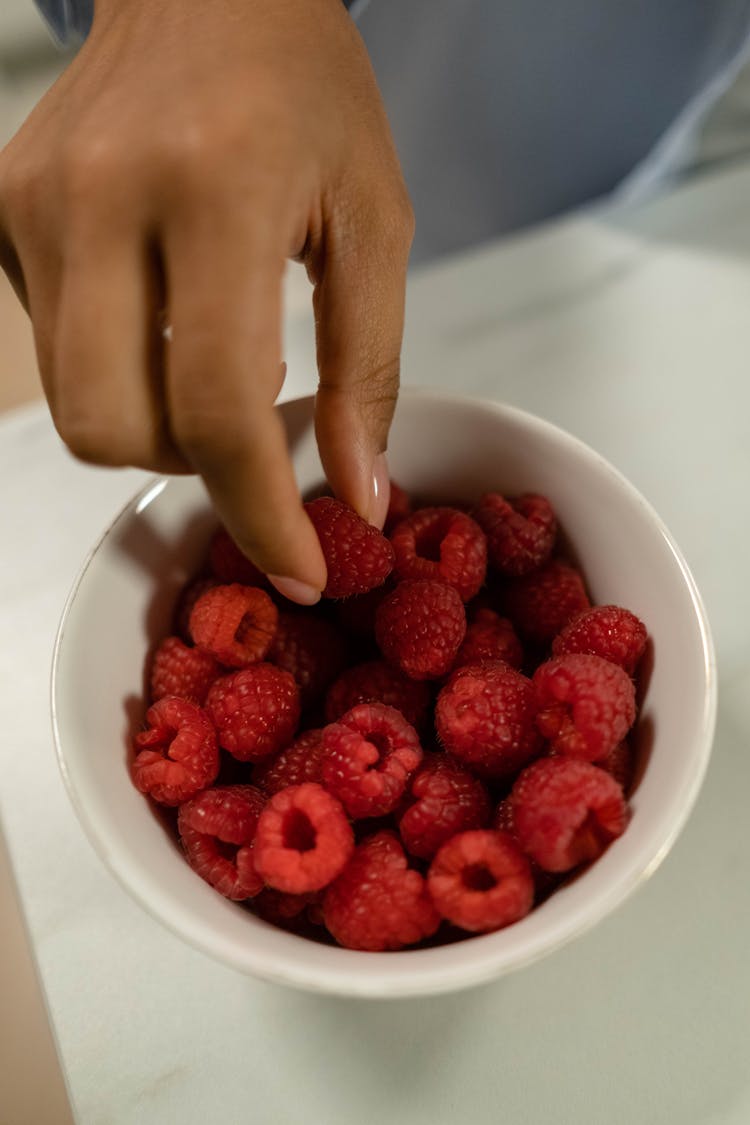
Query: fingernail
[294, 590]
[381, 491]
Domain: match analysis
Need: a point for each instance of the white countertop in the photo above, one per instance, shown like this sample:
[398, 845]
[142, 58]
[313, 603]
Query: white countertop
[631, 330]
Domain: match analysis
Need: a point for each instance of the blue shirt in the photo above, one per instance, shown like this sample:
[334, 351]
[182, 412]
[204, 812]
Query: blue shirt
[506, 112]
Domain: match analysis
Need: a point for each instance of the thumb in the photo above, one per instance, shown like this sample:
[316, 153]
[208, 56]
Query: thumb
[359, 312]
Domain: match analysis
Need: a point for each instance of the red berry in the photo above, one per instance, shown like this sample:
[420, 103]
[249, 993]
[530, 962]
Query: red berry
[544, 881]
[608, 631]
[217, 829]
[255, 711]
[520, 533]
[420, 627]
[541, 603]
[177, 755]
[566, 811]
[302, 761]
[177, 669]
[234, 623]
[490, 637]
[446, 799]
[357, 555]
[229, 564]
[485, 717]
[303, 840]
[378, 902]
[378, 682]
[187, 598]
[585, 705]
[444, 545]
[481, 881]
[368, 758]
[620, 762]
[311, 649]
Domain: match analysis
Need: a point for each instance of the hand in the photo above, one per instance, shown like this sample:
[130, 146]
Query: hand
[190, 148]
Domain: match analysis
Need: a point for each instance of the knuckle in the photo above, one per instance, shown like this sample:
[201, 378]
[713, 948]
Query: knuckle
[93, 163]
[91, 440]
[21, 185]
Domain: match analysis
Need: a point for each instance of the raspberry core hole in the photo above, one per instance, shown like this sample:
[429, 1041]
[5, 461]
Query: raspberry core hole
[381, 744]
[590, 839]
[246, 628]
[299, 832]
[478, 877]
[429, 543]
[225, 850]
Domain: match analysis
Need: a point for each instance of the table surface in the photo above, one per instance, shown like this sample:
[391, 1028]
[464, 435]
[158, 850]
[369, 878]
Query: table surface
[630, 330]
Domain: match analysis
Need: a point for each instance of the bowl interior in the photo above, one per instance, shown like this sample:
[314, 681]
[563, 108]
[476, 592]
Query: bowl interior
[442, 447]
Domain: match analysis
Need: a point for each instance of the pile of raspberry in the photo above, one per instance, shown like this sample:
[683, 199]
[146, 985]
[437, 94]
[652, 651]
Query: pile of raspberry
[425, 754]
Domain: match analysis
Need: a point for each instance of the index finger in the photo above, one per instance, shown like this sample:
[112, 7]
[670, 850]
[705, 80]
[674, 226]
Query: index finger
[224, 276]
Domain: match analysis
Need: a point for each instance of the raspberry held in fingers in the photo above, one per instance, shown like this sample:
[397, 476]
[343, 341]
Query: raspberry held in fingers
[357, 555]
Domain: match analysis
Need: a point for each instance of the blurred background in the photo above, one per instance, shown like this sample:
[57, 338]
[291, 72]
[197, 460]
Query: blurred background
[30, 61]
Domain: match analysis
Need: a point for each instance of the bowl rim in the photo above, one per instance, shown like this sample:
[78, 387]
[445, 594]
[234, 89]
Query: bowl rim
[379, 981]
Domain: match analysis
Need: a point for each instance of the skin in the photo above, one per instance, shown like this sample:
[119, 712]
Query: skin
[186, 153]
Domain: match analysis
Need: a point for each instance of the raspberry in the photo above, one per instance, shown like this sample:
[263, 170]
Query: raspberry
[357, 555]
[608, 631]
[378, 902]
[234, 623]
[217, 829]
[399, 507]
[378, 682]
[177, 754]
[520, 533]
[179, 670]
[585, 705]
[368, 758]
[566, 811]
[255, 711]
[420, 628]
[544, 881]
[481, 881]
[620, 762]
[447, 799]
[303, 840]
[490, 637]
[184, 607]
[485, 717]
[302, 761]
[311, 649]
[442, 544]
[542, 603]
[229, 564]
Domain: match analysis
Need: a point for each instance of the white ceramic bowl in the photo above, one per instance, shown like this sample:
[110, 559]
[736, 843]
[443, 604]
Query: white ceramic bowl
[444, 447]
